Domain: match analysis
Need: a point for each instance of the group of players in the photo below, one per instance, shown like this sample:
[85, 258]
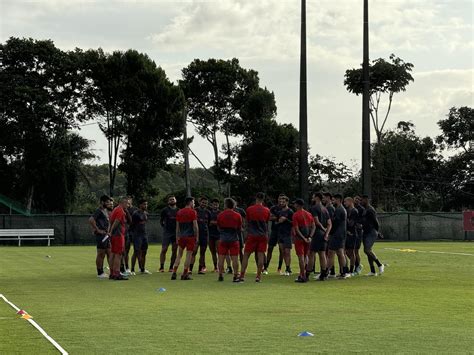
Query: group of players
[332, 227]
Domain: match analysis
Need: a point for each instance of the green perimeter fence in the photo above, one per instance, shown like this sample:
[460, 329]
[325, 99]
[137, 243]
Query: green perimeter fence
[75, 229]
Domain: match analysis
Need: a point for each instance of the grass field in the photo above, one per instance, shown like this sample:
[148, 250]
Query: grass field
[423, 303]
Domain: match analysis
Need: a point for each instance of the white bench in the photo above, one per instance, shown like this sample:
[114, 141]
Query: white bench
[27, 234]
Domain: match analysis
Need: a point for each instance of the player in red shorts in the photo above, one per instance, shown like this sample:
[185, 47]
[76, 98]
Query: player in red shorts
[187, 232]
[229, 223]
[257, 235]
[304, 227]
[118, 220]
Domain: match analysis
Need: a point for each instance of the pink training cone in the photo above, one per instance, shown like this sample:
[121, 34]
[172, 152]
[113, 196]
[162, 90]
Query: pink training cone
[21, 312]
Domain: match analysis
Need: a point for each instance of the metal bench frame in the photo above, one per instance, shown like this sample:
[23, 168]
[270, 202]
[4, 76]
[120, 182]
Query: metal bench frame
[24, 234]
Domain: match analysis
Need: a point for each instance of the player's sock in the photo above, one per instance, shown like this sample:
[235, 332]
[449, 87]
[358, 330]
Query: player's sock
[280, 263]
[215, 266]
[333, 270]
[186, 270]
[100, 271]
[175, 269]
[345, 270]
[351, 270]
[191, 267]
[372, 267]
[357, 264]
[162, 266]
[378, 262]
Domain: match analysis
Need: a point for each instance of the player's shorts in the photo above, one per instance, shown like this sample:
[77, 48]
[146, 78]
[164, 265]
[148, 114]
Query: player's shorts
[336, 242]
[203, 240]
[301, 247]
[351, 242]
[117, 244]
[214, 237]
[168, 238]
[285, 241]
[100, 243]
[257, 244]
[188, 243]
[318, 243]
[273, 240]
[230, 248]
[369, 239]
[140, 243]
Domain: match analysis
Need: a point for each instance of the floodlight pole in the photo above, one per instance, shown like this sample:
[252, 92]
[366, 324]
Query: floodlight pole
[186, 154]
[303, 161]
[366, 178]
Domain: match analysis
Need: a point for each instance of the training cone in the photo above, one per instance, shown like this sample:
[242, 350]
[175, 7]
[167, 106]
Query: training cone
[21, 312]
[306, 334]
[161, 289]
[26, 316]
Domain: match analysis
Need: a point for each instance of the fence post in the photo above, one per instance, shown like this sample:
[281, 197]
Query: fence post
[409, 227]
[3, 222]
[65, 230]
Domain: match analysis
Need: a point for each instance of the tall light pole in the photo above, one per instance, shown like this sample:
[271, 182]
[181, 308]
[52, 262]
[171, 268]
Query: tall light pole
[366, 178]
[303, 161]
[186, 153]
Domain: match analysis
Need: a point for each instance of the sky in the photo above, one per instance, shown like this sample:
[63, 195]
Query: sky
[435, 35]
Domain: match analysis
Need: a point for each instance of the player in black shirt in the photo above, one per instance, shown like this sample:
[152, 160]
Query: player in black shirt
[351, 235]
[168, 224]
[140, 238]
[284, 222]
[214, 232]
[273, 240]
[204, 218]
[359, 230]
[338, 236]
[243, 214]
[370, 224]
[99, 222]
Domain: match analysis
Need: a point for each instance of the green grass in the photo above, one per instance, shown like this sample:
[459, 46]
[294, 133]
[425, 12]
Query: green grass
[423, 303]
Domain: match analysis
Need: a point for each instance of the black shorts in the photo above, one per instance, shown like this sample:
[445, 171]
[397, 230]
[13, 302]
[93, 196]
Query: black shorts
[318, 243]
[100, 243]
[273, 240]
[168, 238]
[203, 240]
[336, 242]
[351, 241]
[140, 243]
[214, 238]
[285, 241]
[369, 239]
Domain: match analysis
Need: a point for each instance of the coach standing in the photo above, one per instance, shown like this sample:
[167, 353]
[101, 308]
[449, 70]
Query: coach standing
[370, 225]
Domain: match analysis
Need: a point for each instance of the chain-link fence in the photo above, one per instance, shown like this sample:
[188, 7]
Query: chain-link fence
[75, 229]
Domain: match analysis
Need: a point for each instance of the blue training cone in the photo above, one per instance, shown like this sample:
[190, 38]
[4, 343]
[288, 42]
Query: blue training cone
[161, 289]
[306, 334]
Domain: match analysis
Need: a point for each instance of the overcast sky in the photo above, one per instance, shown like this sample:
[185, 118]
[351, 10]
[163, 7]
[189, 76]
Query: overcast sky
[435, 35]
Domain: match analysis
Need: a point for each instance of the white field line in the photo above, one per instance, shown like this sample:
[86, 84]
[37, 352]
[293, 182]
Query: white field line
[429, 252]
[34, 324]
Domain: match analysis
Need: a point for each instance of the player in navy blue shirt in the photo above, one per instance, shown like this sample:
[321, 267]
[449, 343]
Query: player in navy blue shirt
[168, 224]
[204, 218]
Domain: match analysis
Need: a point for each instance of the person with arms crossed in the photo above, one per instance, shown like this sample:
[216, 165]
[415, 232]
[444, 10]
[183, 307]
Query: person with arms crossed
[187, 232]
[214, 232]
[285, 225]
[204, 218]
[319, 242]
[99, 222]
[118, 221]
[140, 238]
[257, 235]
[351, 238]
[168, 224]
[229, 224]
[338, 237]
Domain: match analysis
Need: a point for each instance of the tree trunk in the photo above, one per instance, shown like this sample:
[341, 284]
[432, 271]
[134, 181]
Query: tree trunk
[29, 203]
[216, 157]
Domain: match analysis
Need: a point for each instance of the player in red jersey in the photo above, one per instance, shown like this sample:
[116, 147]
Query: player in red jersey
[229, 223]
[118, 220]
[257, 235]
[187, 232]
[303, 224]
